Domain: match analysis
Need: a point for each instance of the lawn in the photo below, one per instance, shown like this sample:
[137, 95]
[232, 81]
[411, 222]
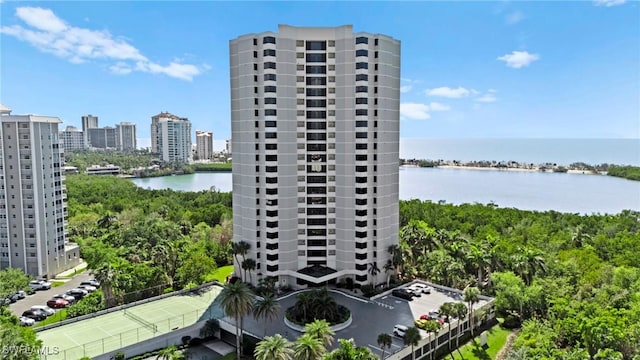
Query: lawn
[57, 317]
[57, 283]
[221, 274]
[496, 339]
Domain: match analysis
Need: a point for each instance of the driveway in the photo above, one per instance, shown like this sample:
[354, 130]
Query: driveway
[40, 297]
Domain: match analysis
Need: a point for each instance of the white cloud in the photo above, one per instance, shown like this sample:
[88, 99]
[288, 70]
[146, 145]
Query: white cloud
[486, 98]
[418, 111]
[405, 88]
[514, 17]
[608, 3]
[448, 92]
[518, 59]
[48, 33]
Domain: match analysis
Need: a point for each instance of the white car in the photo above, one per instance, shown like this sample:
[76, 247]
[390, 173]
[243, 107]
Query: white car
[25, 321]
[40, 285]
[400, 330]
[45, 309]
[425, 289]
[88, 288]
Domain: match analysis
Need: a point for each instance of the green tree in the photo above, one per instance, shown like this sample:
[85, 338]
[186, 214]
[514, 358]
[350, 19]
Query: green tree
[14, 336]
[240, 248]
[266, 308]
[195, 268]
[273, 348]
[89, 304]
[460, 311]
[11, 281]
[412, 338]
[384, 342]
[348, 351]
[308, 347]
[320, 329]
[170, 353]
[432, 328]
[236, 300]
[471, 296]
[447, 310]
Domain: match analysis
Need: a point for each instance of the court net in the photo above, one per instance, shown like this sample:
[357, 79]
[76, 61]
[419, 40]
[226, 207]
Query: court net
[147, 324]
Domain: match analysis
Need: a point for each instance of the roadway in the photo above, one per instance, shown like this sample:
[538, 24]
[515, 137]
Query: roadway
[40, 297]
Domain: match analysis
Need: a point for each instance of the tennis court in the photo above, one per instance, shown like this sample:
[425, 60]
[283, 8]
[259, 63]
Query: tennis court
[122, 328]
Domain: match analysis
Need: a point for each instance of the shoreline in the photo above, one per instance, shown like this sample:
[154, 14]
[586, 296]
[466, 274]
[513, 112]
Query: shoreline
[481, 168]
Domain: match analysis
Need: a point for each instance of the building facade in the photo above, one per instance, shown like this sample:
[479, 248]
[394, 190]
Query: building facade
[33, 207]
[72, 138]
[204, 144]
[315, 132]
[88, 122]
[171, 138]
[102, 138]
[126, 136]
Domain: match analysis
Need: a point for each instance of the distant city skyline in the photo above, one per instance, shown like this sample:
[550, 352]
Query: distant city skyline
[469, 69]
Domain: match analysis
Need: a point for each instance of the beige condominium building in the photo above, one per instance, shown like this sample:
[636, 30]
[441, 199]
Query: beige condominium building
[315, 131]
[204, 144]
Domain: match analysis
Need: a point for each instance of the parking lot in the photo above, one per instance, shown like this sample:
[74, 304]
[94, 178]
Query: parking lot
[370, 317]
[40, 297]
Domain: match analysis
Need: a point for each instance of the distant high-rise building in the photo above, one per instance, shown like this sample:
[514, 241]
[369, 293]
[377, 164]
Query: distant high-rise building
[102, 138]
[33, 197]
[171, 137]
[72, 138]
[204, 144]
[126, 136]
[227, 144]
[88, 122]
[315, 117]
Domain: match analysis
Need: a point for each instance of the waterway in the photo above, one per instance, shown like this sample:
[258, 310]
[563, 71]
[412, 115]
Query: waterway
[572, 193]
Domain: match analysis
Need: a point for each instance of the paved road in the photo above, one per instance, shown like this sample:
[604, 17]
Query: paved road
[40, 297]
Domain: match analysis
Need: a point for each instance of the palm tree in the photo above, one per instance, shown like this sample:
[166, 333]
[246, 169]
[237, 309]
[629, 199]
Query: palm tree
[273, 348]
[348, 350]
[460, 311]
[320, 329]
[411, 338]
[471, 296]
[308, 347]
[106, 275]
[432, 328]
[266, 308]
[240, 248]
[236, 300]
[303, 304]
[107, 220]
[324, 305]
[384, 341]
[446, 310]
[374, 270]
[248, 264]
[170, 353]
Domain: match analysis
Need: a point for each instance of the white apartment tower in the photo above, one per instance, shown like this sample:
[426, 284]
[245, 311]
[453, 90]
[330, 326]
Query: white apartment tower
[126, 136]
[315, 132]
[88, 122]
[204, 144]
[171, 137]
[33, 197]
[72, 138]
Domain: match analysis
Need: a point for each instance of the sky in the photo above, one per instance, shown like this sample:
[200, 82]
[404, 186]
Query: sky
[470, 69]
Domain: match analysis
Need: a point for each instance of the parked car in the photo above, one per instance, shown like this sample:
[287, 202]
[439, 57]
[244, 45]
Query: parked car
[57, 303]
[433, 315]
[88, 288]
[414, 291]
[14, 297]
[6, 301]
[403, 294]
[25, 321]
[420, 323]
[40, 285]
[400, 330]
[92, 282]
[65, 297]
[45, 309]
[425, 289]
[21, 294]
[77, 293]
[36, 315]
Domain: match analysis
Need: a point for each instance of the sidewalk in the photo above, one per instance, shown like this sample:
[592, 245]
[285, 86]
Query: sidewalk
[68, 274]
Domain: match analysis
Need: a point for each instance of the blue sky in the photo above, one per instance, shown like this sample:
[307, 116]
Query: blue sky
[469, 69]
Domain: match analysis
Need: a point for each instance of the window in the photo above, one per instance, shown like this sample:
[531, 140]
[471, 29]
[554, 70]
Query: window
[316, 136]
[300, 67]
[361, 123]
[316, 103]
[271, 146]
[361, 146]
[375, 42]
[361, 135]
[272, 257]
[361, 179]
[316, 125]
[316, 92]
[317, 211]
[269, 89]
[269, 52]
[316, 80]
[361, 191]
[270, 112]
[268, 77]
[316, 179]
[300, 55]
[271, 169]
[268, 40]
[271, 158]
[316, 232]
[361, 212]
[269, 65]
[360, 65]
[274, 268]
[362, 40]
[359, 112]
[316, 147]
[271, 180]
[316, 114]
[272, 135]
[255, 67]
[375, 55]
[361, 169]
[316, 45]
[300, 43]
[362, 77]
[358, 53]
[360, 89]
[316, 69]
[362, 100]
[361, 256]
[317, 57]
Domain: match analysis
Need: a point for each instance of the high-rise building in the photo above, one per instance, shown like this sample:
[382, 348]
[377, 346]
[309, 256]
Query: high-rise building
[227, 146]
[126, 136]
[315, 131]
[88, 122]
[33, 197]
[72, 138]
[102, 138]
[171, 137]
[204, 144]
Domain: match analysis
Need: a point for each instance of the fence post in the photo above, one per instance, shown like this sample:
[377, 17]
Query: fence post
[121, 340]
[182, 320]
[137, 334]
[103, 345]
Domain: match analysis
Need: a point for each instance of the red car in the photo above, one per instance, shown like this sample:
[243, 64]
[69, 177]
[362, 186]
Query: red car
[57, 303]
